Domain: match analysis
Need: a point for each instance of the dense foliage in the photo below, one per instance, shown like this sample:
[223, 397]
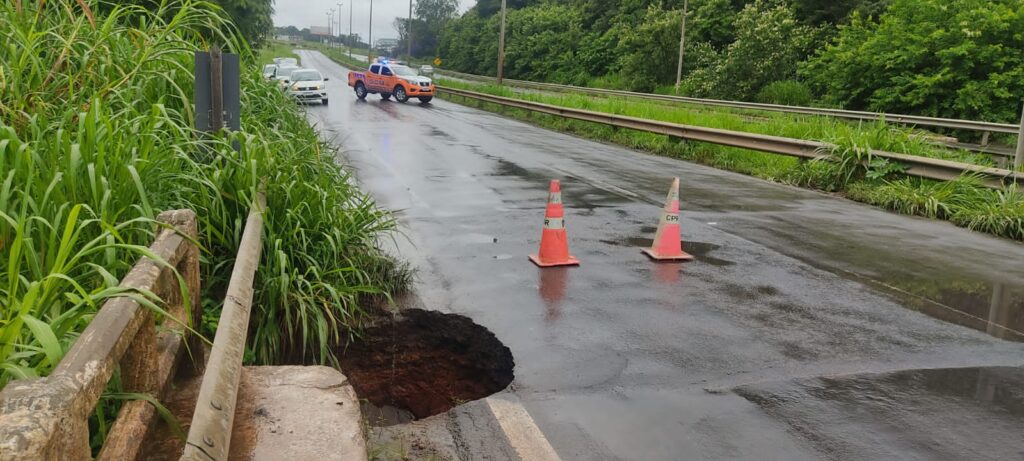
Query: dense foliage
[960, 58]
[96, 139]
[429, 18]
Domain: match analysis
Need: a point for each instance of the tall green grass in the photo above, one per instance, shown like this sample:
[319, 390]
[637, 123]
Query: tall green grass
[877, 134]
[96, 139]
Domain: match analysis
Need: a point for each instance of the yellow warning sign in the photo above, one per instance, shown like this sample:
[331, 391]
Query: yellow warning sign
[437, 61]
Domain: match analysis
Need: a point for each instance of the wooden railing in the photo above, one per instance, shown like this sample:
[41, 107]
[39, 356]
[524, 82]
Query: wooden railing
[47, 418]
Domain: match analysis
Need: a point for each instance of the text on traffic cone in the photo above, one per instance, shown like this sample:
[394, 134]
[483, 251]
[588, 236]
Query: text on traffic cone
[668, 243]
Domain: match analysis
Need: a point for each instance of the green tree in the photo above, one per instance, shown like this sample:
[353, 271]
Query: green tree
[712, 21]
[252, 17]
[648, 53]
[769, 45]
[427, 25]
[818, 12]
[960, 59]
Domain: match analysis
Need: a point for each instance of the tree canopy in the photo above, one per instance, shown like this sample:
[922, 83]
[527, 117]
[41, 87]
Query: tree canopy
[952, 58]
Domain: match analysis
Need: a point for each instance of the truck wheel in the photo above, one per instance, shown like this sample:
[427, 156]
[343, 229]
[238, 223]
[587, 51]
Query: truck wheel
[400, 94]
[426, 99]
[324, 101]
[360, 90]
[385, 96]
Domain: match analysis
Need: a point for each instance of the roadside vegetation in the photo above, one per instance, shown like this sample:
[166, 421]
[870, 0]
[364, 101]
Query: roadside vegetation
[879, 135]
[96, 139]
[274, 49]
[960, 59]
[849, 170]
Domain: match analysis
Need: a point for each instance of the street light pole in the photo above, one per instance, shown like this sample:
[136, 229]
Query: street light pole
[338, 32]
[369, 41]
[330, 23]
[350, 44]
[501, 45]
[682, 45]
[408, 31]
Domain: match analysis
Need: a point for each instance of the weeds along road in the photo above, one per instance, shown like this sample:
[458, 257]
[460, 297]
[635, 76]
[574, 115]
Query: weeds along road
[808, 327]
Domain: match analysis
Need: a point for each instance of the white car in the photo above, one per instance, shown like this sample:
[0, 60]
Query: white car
[284, 74]
[426, 70]
[269, 71]
[308, 85]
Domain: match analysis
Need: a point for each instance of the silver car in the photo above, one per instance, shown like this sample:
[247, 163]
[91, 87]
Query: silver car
[284, 74]
[286, 62]
[270, 71]
[426, 70]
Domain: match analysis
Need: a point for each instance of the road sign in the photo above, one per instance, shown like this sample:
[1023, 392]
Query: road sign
[437, 61]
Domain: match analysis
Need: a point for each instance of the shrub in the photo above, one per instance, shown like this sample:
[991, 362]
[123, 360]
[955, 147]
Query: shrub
[786, 92]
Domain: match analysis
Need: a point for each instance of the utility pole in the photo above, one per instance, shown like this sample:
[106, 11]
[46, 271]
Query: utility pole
[682, 45]
[369, 41]
[330, 22]
[339, 21]
[501, 45]
[1018, 159]
[350, 44]
[408, 31]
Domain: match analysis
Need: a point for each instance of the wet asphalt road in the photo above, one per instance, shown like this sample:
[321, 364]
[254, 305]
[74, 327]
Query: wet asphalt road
[809, 327]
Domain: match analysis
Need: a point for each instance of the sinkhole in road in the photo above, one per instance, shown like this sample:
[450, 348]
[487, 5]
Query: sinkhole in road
[420, 363]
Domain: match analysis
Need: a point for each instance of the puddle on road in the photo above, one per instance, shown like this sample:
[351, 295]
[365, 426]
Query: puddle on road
[552, 283]
[939, 291]
[422, 363]
[507, 168]
[950, 413]
[997, 309]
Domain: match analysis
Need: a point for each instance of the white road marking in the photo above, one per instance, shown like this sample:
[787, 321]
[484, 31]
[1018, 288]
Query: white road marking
[522, 433]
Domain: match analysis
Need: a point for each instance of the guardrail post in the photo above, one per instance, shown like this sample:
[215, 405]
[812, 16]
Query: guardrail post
[216, 89]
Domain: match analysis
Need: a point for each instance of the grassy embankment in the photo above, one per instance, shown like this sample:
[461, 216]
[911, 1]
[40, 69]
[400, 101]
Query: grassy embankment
[96, 139]
[275, 49]
[852, 173]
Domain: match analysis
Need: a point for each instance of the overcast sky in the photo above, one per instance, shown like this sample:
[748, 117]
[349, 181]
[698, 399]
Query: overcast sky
[305, 13]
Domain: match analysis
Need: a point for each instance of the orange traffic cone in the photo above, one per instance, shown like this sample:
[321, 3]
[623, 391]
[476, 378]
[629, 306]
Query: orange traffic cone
[554, 242]
[668, 244]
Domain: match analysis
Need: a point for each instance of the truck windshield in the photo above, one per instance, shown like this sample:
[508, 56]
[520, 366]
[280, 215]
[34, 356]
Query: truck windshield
[306, 76]
[403, 71]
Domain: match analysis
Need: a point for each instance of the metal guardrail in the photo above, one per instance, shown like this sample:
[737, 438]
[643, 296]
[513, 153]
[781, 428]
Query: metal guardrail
[48, 418]
[209, 437]
[916, 166]
[958, 124]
